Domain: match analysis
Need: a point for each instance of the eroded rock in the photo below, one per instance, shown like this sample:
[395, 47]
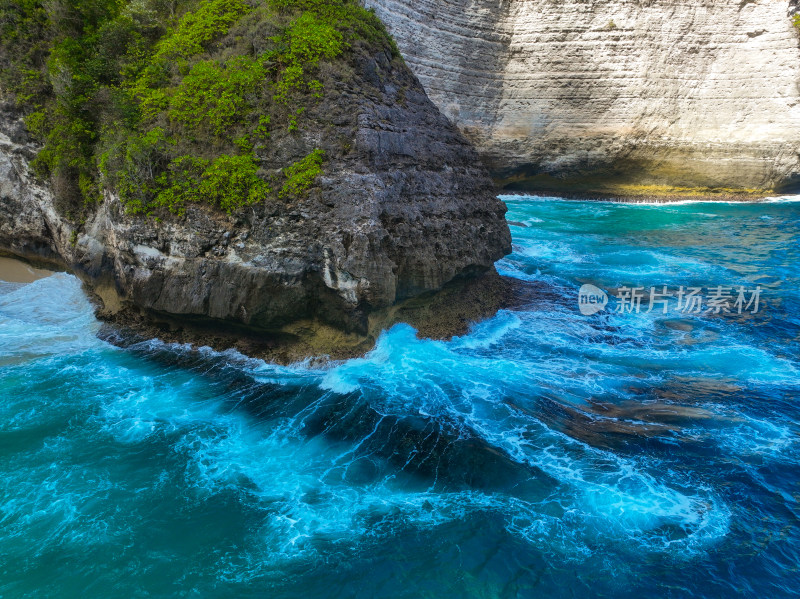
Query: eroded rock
[639, 98]
[403, 207]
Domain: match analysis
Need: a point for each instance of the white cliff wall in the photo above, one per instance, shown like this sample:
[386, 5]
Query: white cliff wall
[657, 92]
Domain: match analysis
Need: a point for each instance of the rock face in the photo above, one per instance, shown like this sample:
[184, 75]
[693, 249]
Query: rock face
[591, 92]
[403, 207]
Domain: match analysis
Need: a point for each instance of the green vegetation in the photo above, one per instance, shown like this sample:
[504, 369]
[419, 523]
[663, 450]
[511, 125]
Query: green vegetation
[173, 102]
[301, 175]
[214, 96]
[796, 20]
[309, 39]
[198, 28]
[227, 182]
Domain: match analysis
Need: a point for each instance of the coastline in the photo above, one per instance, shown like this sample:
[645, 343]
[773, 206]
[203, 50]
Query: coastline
[438, 315]
[654, 199]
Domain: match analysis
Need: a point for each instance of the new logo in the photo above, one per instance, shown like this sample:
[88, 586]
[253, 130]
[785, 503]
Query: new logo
[591, 300]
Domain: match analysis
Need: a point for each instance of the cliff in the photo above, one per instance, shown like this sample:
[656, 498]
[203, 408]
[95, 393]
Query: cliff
[622, 96]
[400, 207]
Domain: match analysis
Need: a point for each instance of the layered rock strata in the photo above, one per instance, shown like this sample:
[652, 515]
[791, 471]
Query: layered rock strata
[616, 94]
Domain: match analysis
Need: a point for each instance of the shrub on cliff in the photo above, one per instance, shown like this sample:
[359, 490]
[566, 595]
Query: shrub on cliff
[169, 102]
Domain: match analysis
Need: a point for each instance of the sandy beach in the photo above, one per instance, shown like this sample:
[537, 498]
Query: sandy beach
[16, 271]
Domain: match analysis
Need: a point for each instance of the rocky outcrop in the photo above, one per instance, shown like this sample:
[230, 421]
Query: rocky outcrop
[587, 94]
[403, 207]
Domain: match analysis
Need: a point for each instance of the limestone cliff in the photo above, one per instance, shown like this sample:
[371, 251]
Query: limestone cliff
[611, 94]
[402, 208]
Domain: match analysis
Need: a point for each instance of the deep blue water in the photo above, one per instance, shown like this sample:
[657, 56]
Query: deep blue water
[545, 454]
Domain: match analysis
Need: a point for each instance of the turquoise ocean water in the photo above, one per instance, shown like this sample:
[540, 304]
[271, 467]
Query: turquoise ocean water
[545, 454]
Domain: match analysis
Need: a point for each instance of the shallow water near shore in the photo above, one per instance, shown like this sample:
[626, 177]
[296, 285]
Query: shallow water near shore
[546, 453]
